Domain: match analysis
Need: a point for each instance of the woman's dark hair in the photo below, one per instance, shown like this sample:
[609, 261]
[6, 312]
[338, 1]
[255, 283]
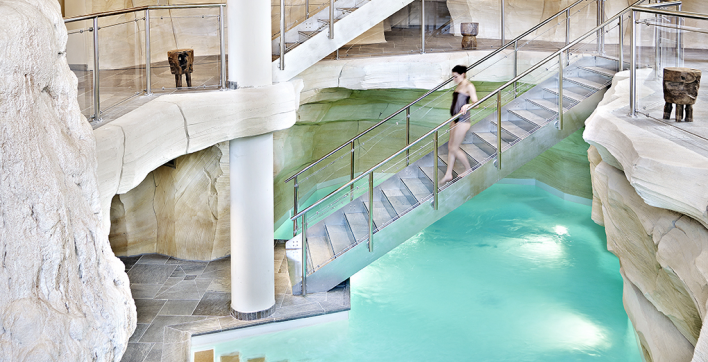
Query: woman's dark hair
[459, 69]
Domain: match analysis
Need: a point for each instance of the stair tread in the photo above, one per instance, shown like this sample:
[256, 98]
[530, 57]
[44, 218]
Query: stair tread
[529, 116]
[320, 249]
[477, 153]
[359, 223]
[604, 71]
[381, 214]
[428, 171]
[511, 127]
[586, 83]
[418, 187]
[547, 104]
[491, 138]
[457, 166]
[567, 94]
[339, 237]
[399, 200]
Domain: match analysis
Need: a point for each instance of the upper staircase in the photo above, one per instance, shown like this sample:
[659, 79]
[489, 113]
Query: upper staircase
[390, 202]
[309, 41]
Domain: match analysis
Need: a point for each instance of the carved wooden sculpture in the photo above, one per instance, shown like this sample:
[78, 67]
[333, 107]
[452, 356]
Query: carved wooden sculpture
[181, 62]
[681, 87]
[469, 35]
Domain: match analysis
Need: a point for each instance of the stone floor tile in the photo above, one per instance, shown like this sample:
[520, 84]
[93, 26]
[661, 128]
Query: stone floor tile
[184, 290]
[153, 258]
[203, 285]
[220, 285]
[193, 268]
[214, 304]
[155, 354]
[190, 277]
[140, 329]
[219, 264]
[129, 261]
[297, 311]
[140, 291]
[178, 273]
[155, 332]
[179, 307]
[150, 273]
[136, 352]
[292, 300]
[148, 309]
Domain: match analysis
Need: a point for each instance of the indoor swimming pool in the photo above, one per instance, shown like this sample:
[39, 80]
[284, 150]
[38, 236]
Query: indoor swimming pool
[515, 274]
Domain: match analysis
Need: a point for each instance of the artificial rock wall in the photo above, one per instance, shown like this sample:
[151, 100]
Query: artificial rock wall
[64, 296]
[649, 192]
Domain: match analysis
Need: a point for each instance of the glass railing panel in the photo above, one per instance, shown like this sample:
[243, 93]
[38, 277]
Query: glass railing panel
[121, 60]
[196, 29]
[668, 42]
[79, 55]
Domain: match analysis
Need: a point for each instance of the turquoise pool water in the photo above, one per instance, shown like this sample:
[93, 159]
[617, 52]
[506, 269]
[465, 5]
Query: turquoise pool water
[515, 274]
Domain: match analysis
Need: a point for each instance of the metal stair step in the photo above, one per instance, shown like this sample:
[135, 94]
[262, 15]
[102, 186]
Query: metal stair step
[418, 187]
[600, 70]
[309, 34]
[477, 153]
[346, 10]
[400, 202]
[585, 83]
[339, 237]
[320, 250]
[575, 97]
[428, 171]
[512, 128]
[457, 167]
[546, 104]
[381, 214]
[491, 139]
[359, 224]
[529, 116]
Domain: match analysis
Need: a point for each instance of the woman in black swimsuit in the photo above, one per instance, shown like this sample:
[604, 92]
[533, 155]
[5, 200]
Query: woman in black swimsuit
[464, 94]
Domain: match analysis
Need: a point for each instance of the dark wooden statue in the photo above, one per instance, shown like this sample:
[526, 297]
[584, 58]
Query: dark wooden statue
[469, 35]
[681, 88]
[181, 62]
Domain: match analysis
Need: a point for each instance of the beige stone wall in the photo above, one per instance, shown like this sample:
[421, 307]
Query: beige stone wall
[181, 212]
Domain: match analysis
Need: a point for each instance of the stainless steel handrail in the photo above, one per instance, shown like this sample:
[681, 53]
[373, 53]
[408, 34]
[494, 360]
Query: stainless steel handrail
[148, 74]
[139, 8]
[483, 99]
[436, 88]
[633, 64]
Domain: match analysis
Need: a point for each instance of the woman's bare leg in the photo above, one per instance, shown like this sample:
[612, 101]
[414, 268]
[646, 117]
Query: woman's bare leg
[454, 147]
[450, 156]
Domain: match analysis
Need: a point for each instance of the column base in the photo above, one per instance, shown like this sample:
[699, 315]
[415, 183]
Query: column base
[252, 315]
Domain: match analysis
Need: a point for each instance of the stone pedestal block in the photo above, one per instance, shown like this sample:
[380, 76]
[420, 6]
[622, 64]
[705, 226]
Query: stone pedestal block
[469, 35]
[681, 88]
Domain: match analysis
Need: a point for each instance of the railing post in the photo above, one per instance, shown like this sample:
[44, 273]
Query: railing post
[499, 128]
[351, 163]
[516, 65]
[303, 247]
[307, 9]
[96, 80]
[408, 133]
[600, 32]
[331, 19]
[560, 91]
[567, 30]
[657, 47]
[422, 26]
[282, 34]
[371, 211]
[295, 186]
[679, 40]
[148, 56]
[436, 181]
[222, 47]
[633, 66]
[620, 67]
[501, 5]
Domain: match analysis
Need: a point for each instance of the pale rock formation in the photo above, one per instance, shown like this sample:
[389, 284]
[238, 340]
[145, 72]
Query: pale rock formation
[182, 212]
[179, 124]
[649, 194]
[64, 296]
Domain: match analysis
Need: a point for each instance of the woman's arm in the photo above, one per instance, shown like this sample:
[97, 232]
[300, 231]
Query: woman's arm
[473, 97]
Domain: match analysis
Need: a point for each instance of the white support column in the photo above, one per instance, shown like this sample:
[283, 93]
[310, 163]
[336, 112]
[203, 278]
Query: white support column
[251, 167]
[249, 52]
[252, 251]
